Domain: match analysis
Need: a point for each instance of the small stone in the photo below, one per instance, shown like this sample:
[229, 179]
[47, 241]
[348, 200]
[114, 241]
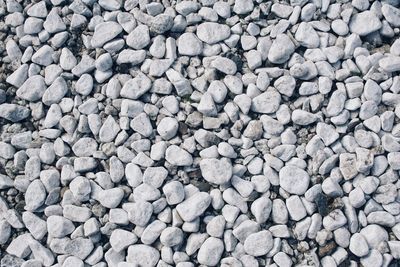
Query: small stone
[194, 206]
[13, 112]
[167, 128]
[258, 244]
[174, 192]
[224, 65]
[143, 255]
[211, 32]
[294, 180]
[210, 251]
[364, 23]
[281, 49]
[32, 89]
[35, 195]
[216, 171]
[171, 236]
[178, 156]
[121, 239]
[58, 226]
[189, 45]
[139, 213]
[138, 38]
[267, 102]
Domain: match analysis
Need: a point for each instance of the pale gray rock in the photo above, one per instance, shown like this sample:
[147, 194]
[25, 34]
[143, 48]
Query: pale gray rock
[143, 255]
[210, 251]
[211, 32]
[32, 89]
[217, 171]
[258, 244]
[189, 45]
[267, 102]
[194, 206]
[294, 180]
[58, 226]
[281, 49]
[138, 38]
[364, 23]
[178, 156]
[14, 112]
[35, 195]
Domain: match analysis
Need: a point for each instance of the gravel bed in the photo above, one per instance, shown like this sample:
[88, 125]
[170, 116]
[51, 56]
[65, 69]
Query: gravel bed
[233, 133]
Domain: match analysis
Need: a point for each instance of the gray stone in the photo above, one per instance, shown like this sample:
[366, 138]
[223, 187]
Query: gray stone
[211, 32]
[294, 180]
[32, 89]
[217, 171]
[364, 23]
[281, 49]
[143, 255]
[189, 45]
[194, 206]
[210, 251]
[258, 244]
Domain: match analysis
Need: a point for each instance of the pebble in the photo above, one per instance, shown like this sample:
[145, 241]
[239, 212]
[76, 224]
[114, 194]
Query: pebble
[210, 251]
[281, 49]
[294, 180]
[216, 171]
[142, 255]
[194, 206]
[211, 32]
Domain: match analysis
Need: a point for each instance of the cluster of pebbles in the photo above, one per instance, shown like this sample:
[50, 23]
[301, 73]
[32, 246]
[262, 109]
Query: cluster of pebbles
[199, 133]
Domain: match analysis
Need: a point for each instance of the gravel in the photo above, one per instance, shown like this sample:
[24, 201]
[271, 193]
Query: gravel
[199, 133]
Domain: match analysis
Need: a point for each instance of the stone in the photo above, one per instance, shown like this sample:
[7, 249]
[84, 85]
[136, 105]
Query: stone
[294, 180]
[210, 251]
[143, 255]
[178, 156]
[216, 171]
[35, 195]
[266, 103]
[258, 244]
[168, 128]
[189, 45]
[194, 206]
[121, 239]
[211, 32]
[14, 112]
[281, 49]
[364, 23]
[58, 226]
[32, 89]
[139, 38]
